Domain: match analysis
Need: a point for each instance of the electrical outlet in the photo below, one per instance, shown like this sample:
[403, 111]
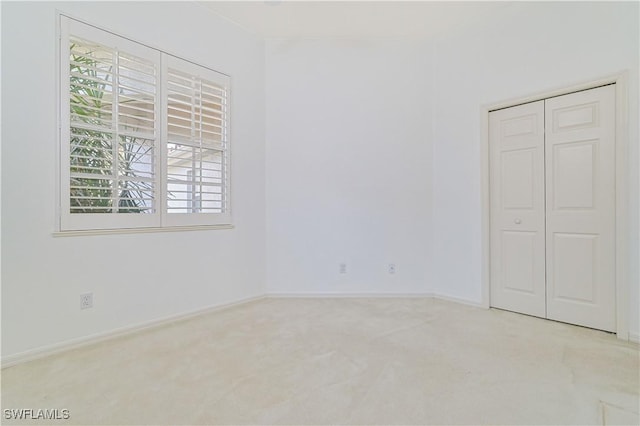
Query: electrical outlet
[343, 268]
[86, 301]
[392, 268]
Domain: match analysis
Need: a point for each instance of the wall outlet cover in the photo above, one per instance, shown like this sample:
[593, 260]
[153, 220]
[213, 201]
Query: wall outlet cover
[86, 300]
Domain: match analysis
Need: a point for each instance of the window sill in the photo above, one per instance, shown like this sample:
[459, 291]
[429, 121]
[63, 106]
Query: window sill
[140, 230]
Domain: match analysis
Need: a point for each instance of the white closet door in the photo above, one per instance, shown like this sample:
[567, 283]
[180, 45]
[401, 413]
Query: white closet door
[580, 200]
[517, 208]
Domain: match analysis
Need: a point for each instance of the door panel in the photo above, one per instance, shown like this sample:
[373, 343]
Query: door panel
[574, 117]
[517, 208]
[580, 194]
[574, 172]
[517, 179]
[575, 267]
[518, 261]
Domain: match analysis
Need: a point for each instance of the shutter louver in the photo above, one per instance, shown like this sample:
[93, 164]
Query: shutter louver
[112, 130]
[196, 144]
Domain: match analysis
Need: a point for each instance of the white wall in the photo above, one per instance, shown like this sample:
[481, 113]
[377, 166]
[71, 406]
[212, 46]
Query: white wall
[372, 157]
[348, 166]
[339, 191]
[138, 277]
[527, 48]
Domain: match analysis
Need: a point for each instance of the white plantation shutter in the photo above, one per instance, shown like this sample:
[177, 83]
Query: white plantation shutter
[110, 96]
[196, 149]
[144, 135]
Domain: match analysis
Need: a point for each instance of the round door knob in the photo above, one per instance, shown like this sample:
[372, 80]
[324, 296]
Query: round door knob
[518, 221]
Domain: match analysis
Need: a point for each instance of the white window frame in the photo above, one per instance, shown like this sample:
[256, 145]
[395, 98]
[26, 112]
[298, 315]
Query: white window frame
[91, 223]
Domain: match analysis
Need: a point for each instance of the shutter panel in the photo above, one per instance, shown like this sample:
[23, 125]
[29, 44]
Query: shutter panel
[197, 151]
[111, 97]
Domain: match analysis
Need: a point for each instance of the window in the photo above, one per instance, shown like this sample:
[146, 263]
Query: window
[144, 135]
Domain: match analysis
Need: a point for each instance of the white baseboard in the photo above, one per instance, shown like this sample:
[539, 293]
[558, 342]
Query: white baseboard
[45, 351]
[328, 295]
[459, 300]
[634, 337]
[376, 295]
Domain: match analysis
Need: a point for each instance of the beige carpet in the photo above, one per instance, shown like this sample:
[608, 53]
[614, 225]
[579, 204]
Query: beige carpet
[340, 361]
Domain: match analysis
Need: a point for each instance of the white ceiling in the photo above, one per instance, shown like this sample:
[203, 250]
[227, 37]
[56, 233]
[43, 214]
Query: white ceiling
[352, 19]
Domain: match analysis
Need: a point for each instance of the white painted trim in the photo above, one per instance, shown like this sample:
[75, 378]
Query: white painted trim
[485, 214]
[622, 207]
[622, 210]
[57, 181]
[336, 295]
[634, 337]
[459, 300]
[331, 295]
[45, 351]
[140, 230]
[558, 91]
[80, 342]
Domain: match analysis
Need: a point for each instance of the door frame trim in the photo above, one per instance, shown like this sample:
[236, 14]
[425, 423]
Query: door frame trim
[622, 182]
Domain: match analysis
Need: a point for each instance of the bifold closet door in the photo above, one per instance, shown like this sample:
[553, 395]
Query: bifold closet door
[580, 207]
[517, 208]
[552, 191]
